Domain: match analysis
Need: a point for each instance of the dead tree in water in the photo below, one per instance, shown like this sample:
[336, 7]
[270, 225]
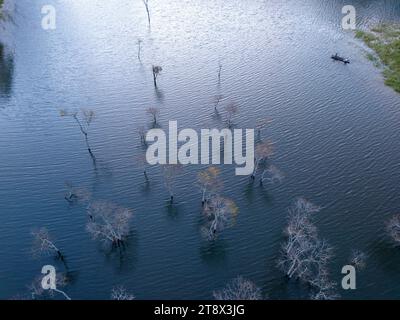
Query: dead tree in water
[263, 151]
[141, 160]
[156, 72]
[209, 183]
[217, 100]
[231, 110]
[239, 289]
[304, 255]
[120, 293]
[108, 222]
[142, 134]
[37, 291]
[146, 4]
[84, 120]
[43, 244]
[170, 172]
[139, 43]
[154, 113]
[220, 213]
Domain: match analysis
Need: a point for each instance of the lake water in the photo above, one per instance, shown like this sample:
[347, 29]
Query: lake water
[336, 130]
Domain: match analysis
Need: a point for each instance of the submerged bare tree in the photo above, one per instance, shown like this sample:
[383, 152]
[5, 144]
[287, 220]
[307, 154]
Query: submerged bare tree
[84, 118]
[141, 161]
[154, 113]
[142, 134]
[170, 173]
[38, 292]
[139, 43]
[156, 72]
[393, 229]
[108, 222]
[44, 244]
[220, 213]
[262, 152]
[230, 111]
[209, 183]
[304, 255]
[322, 287]
[217, 100]
[120, 293]
[239, 289]
[358, 259]
[146, 4]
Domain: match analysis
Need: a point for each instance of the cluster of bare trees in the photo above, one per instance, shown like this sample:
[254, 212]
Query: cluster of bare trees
[239, 289]
[304, 255]
[107, 221]
[218, 211]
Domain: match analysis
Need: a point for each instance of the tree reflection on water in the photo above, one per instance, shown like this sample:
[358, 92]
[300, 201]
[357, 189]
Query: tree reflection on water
[6, 71]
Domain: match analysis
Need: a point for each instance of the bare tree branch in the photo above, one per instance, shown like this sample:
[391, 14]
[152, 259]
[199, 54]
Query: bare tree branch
[209, 183]
[43, 244]
[239, 289]
[358, 259]
[170, 173]
[108, 222]
[120, 293]
[304, 256]
[146, 4]
[230, 111]
[156, 72]
[84, 120]
[220, 213]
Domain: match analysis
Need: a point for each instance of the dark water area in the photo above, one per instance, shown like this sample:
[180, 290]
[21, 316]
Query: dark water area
[335, 127]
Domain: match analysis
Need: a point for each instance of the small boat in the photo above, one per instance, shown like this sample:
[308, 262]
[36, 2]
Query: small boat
[339, 58]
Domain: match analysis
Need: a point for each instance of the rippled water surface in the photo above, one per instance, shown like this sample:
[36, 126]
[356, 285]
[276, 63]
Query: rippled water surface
[336, 129]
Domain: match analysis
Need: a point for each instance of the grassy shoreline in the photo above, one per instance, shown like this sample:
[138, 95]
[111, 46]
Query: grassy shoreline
[384, 40]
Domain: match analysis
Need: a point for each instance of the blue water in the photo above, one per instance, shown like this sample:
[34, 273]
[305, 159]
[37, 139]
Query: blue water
[335, 128]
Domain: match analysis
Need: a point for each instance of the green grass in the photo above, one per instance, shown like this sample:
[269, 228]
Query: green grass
[384, 39]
